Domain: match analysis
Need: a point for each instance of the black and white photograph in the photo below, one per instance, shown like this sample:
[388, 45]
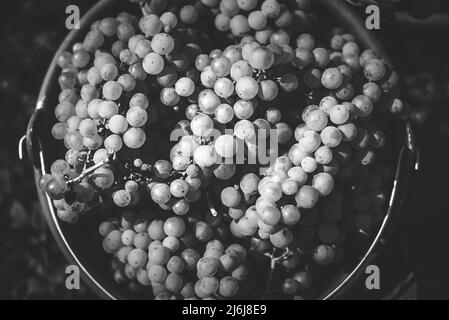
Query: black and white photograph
[241, 152]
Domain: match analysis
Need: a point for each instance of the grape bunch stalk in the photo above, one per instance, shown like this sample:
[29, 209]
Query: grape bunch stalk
[269, 150]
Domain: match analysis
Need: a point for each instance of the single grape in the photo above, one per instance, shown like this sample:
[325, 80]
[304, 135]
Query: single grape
[290, 215]
[153, 63]
[225, 146]
[128, 237]
[228, 287]
[309, 164]
[270, 215]
[289, 82]
[249, 183]
[185, 87]
[134, 138]
[307, 197]
[174, 227]
[162, 169]
[122, 198]
[205, 156]
[127, 82]
[310, 141]
[280, 37]
[81, 109]
[109, 72]
[137, 258]
[224, 88]
[331, 137]
[323, 183]
[290, 286]
[261, 58]
[281, 239]
[268, 90]
[93, 107]
[174, 282]
[156, 230]
[159, 255]
[64, 111]
[117, 124]
[179, 188]
[163, 44]
[169, 97]
[324, 255]
[348, 131]
[239, 26]
[188, 14]
[56, 189]
[372, 91]
[247, 88]
[231, 197]
[324, 155]
[244, 130]
[160, 193]
[222, 22]
[224, 113]
[60, 169]
[113, 240]
[191, 258]
[364, 105]
[375, 70]
[201, 125]
[175, 265]
[157, 274]
[108, 109]
[257, 20]
[181, 207]
[290, 187]
[208, 101]
[271, 8]
[112, 90]
[207, 267]
[150, 25]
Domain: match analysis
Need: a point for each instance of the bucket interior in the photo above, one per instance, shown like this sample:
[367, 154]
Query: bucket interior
[83, 237]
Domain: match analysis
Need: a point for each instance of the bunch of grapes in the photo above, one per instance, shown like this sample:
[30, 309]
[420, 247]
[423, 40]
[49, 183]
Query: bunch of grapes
[107, 112]
[174, 258]
[272, 147]
[340, 138]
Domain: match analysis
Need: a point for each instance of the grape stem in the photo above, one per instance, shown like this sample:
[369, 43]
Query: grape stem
[87, 172]
[211, 205]
[273, 262]
[142, 8]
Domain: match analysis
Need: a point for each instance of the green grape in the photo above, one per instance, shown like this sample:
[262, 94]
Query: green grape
[228, 287]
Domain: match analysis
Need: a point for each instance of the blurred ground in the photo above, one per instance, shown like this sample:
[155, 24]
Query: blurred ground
[32, 267]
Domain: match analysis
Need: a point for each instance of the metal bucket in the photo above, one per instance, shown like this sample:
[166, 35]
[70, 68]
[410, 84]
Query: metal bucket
[80, 243]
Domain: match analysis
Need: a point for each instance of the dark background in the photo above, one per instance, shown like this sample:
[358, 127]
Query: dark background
[31, 266]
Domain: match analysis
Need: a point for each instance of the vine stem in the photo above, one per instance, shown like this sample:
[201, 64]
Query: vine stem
[211, 205]
[273, 261]
[88, 171]
[142, 8]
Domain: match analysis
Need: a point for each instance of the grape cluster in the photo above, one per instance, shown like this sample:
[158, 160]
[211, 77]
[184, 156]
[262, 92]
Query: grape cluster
[339, 139]
[267, 20]
[174, 258]
[106, 112]
[274, 146]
